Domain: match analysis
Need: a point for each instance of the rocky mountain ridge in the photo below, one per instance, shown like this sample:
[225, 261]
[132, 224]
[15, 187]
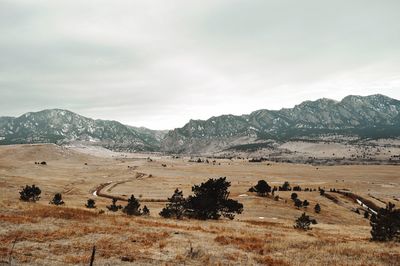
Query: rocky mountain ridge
[354, 117]
[63, 126]
[371, 116]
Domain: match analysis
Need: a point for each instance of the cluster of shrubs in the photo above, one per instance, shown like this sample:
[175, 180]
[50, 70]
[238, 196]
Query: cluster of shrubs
[199, 160]
[132, 207]
[263, 189]
[32, 194]
[298, 202]
[286, 187]
[258, 160]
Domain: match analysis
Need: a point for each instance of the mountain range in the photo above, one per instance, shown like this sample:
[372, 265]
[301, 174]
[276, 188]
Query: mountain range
[374, 116]
[62, 126]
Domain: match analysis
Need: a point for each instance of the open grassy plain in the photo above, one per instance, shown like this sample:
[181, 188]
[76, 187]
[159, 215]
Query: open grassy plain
[41, 234]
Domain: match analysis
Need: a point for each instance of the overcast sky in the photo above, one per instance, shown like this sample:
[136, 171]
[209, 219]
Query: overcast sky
[160, 63]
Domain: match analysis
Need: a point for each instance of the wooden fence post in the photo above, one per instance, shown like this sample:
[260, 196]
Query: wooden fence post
[11, 252]
[92, 258]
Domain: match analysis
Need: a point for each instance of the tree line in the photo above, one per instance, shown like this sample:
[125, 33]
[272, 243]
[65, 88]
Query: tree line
[210, 200]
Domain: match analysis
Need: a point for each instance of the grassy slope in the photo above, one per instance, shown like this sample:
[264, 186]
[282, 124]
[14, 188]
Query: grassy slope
[50, 235]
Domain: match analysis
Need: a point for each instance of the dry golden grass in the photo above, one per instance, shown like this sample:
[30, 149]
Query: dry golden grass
[262, 235]
[143, 240]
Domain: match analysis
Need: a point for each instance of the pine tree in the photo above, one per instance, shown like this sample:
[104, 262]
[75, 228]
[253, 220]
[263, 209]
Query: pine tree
[294, 196]
[317, 208]
[175, 207]
[303, 222]
[146, 211]
[133, 207]
[210, 201]
[262, 188]
[305, 203]
[57, 199]
[91, 204]
[114, 207]
[298, 203]
[30, 193]
[386, 224]
[286, 186]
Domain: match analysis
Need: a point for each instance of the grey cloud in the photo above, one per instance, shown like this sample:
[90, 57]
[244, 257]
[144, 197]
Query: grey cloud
[158, 63]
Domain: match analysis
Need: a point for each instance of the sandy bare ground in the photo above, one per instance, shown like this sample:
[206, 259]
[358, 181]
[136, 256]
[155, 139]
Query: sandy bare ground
[262, 234]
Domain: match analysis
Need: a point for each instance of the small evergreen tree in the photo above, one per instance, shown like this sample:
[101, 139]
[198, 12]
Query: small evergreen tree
[262, 188]
[286, 186]
[91, 204]
[322, 192]
[210, 201]
[386, 224]
[133, 207]
[114, 207]
[317, 208]
[57, 199]
[303, 222]
[305, 203]
[30, 193]
[298, 203]
[146, 211]
[175, 207]
[294, 196]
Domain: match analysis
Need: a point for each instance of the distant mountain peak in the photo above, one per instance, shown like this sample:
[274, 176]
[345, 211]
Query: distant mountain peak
[64, 126]
[354, 115]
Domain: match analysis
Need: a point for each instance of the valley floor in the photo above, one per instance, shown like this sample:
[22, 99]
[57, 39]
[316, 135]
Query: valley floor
[41, 234]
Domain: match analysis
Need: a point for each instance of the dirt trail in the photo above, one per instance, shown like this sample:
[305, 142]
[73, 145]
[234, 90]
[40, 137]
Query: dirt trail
[99, 190]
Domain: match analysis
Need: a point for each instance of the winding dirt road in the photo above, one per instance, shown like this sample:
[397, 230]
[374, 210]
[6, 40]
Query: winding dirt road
[103, 190]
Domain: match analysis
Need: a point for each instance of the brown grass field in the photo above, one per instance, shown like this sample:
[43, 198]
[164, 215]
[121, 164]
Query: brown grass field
[42, 234]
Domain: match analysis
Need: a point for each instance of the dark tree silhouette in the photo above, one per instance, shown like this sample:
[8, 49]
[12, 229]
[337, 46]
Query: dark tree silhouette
[252, 189]
[305, 203]
[296, 188]
[146, 211]
[317, 208]
[322, 192]
[210, 201]
[133, 207]
[294, 196]
[303, 222]
[286, 186]
[91, 204]
[30, 193]
[386, 224]
[175, 207]
[262, 188]
[114, 207]
[298, 203]
[57, 199]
